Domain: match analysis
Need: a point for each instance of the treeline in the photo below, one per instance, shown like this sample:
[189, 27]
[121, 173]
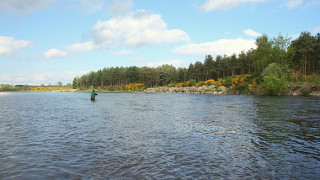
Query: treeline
[301, 56]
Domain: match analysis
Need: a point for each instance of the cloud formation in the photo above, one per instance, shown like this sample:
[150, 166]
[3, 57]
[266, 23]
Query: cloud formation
[124, 52]
[220, 47]
[92, 5]
[120, 7]
[26, 6]
[250, 32]
[81, 47]
[54, 53]
[136, 29]
[175, 63]
[291, 4]
[140, 28]
[38, 79]
[213, 5]
[317, 30]
[8, 45]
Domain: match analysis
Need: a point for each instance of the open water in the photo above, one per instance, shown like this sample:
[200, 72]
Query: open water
[56, 135]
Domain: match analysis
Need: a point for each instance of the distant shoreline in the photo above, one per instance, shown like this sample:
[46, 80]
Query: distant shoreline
[291, 90]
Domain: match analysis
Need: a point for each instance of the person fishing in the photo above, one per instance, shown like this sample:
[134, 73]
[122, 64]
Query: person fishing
[93, 95]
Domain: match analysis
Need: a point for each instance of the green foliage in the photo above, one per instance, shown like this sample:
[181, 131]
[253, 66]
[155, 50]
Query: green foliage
[201, 83]
[293, 59]
[313, 79]
[227, 81]
[242, 87]
[305, 91]
[7, 87]
[260, 91]
[192, 82]
[274, 79]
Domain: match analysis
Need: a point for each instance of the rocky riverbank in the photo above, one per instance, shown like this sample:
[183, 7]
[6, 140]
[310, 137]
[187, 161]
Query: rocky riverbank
[191, 90]
[291, 90]
[303, 90]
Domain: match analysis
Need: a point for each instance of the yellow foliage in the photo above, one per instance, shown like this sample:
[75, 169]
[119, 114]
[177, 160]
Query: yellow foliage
[252, 85]
[210, 82]
[304, 77]
[38, 89]
[219, 83]
[134, 86]
[179, 84]
[239, 78]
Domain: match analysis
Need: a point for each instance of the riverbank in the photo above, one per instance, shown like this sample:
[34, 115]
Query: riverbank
[291, 90]
[191, 90]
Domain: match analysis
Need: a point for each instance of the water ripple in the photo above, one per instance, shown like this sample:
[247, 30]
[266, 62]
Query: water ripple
[158, 136]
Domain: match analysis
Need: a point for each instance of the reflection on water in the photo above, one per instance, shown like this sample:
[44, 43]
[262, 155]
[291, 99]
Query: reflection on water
[158, 136]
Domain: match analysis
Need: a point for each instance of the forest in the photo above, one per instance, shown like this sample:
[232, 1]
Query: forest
[288, 60]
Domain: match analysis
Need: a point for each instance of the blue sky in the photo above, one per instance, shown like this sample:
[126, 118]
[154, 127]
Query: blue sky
[46, 41]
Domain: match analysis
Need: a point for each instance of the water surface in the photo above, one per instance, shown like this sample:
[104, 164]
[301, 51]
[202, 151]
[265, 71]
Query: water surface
[56, 135]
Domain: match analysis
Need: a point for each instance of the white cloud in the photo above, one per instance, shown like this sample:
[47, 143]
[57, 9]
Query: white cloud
[250, 32]
[91, 5]
[23, 6]
[8, 45]
[54, 53]
[81, 47]
[220, 47]
[292, 3]
[212, 5]
[38, 79]
[312, 3]
[294, 36]
[120, 7]
[317, 30]
[136, 29]
[124, 52]
[175, 63]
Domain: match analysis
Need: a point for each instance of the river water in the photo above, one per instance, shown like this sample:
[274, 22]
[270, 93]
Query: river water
[56, 135]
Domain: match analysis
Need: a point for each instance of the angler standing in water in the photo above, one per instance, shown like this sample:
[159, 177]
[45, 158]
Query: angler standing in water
[93, 95]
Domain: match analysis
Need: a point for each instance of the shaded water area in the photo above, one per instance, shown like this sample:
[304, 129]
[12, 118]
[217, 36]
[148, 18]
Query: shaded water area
[56, 135]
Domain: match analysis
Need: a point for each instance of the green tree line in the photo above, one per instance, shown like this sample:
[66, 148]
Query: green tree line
[301, 56]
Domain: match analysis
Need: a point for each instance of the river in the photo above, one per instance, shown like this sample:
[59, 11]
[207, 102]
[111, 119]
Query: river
[56, 135]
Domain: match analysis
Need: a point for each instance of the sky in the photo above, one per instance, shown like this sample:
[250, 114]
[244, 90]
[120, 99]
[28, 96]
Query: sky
[51, 41]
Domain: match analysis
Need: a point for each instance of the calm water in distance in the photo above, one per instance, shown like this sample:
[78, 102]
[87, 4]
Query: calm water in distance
[56, 135]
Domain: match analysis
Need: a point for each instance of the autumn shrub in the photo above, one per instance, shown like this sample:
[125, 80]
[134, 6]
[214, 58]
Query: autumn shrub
[210, 82]
[252, 85]
[38, 89]
[219, 82]
[235, 81]
[180, 85]
[200, 84]
[135, 87]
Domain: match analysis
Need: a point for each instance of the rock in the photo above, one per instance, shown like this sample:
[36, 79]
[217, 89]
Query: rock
[194, 90]
[222, 89]
[302, 90]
